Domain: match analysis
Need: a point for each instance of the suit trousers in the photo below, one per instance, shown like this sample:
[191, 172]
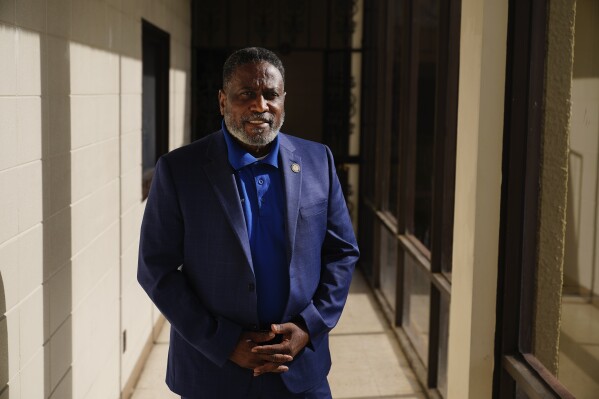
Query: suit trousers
[271, 386]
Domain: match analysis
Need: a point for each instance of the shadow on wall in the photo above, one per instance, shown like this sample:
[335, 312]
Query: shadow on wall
[571, 269]
[55, 61]
[3, 344]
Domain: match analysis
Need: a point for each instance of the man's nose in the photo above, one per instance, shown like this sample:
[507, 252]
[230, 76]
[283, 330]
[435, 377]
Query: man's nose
[260, 104]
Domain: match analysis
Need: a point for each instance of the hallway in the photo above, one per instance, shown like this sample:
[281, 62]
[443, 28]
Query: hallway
[367, 360]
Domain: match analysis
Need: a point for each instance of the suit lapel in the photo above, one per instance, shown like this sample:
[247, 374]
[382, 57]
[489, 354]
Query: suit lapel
[291, 166]
[221, 176]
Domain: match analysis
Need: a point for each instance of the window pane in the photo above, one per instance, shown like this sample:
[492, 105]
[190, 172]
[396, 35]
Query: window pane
[443, 342]
[395, 111]
[416, 306]
[388, 265]
[428, 27]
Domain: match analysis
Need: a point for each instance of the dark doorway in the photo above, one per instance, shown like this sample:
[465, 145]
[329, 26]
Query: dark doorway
[312, 38]
[155, 99]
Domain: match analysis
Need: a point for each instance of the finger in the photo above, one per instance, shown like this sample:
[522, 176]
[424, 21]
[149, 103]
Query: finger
[260, 337]
[270, 368]
[284, 328]
[282, 348]
[275, 358]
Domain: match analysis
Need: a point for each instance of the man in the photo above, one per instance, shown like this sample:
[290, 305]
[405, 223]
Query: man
[247, 248]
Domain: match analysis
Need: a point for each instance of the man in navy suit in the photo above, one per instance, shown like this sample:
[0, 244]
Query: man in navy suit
[247, 248]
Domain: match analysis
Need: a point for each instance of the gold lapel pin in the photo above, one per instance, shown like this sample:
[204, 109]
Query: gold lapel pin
[295, 167]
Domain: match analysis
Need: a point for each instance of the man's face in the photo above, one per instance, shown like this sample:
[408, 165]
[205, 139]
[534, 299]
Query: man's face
[253, 104]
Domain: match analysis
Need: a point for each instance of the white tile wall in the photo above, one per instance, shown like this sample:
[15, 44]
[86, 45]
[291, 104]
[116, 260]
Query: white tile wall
[59, 293]
[31, 376]
[89, 265]
[31, 14]
[7, 11]
[9, 270]
[57, 65]
[8, 63]
[59, 353]
[58, 18]
[131, 109]
[29, 54]
[9, 207]
[131, 73]
[8, 127]
[30, 200]
[70, 174]
[30, 261]
[31, 330]
[29, 129]
[64, 388]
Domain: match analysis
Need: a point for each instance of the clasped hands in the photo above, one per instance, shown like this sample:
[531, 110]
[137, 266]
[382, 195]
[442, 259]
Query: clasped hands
[251, 354]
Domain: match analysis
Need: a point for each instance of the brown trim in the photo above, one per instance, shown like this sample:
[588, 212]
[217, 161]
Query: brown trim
[533, 378]
[525, 379]
[441, 282]
[516, 367]
[388, 220]
[554, 384]
[415, 248]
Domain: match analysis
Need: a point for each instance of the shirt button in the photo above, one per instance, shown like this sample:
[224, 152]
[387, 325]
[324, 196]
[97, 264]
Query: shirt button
[251, 287]
[260, 181]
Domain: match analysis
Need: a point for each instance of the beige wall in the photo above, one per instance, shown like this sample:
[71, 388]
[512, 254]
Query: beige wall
[581, 267]
[477, 198]
[70, 178]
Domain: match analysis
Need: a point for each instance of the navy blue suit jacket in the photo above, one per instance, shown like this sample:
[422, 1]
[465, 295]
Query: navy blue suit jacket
[195, 262]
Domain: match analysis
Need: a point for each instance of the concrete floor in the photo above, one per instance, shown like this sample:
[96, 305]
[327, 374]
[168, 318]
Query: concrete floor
[367, 361]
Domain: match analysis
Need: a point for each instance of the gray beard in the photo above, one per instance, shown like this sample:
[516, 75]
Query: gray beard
[258, 140]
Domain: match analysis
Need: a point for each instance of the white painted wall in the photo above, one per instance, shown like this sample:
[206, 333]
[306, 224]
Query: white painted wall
[70, 184]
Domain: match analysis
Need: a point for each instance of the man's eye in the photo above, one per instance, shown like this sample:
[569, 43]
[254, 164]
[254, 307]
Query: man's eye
[247, 94]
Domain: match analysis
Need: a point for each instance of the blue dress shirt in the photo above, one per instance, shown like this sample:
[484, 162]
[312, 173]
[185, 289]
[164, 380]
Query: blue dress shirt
[260, 186]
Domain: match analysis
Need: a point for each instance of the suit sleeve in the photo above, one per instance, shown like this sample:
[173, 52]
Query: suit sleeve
[160, 255]
[339, 255]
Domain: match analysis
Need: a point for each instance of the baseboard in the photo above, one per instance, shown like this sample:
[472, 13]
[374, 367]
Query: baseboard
[127, 391]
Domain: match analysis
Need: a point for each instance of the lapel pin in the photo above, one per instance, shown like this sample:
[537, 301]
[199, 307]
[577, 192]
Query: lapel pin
[295, 167]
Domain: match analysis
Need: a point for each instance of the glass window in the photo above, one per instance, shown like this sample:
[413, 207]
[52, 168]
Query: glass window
[416, 306]
[155, 100]
[388, 263]
[393, 186]
[428, 32]
[443, 345]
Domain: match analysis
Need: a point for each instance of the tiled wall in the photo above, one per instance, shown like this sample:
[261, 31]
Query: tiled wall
[70, 189]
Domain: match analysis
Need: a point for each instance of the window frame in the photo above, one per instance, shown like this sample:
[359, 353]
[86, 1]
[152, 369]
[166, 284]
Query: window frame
[516, 367]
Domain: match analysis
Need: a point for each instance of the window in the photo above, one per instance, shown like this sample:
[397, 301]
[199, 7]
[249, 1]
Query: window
[408, 171]
[155, 100]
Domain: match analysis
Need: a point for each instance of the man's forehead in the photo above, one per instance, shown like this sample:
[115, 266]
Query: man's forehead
[256, 74]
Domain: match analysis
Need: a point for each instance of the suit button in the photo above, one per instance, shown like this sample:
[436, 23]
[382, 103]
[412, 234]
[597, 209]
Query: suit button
[254, 327]
[251, 287]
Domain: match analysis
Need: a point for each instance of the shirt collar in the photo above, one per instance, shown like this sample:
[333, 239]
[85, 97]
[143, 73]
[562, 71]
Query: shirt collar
[240, 158]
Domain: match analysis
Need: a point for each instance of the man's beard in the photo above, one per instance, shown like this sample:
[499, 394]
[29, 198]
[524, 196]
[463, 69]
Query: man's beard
[260, 136]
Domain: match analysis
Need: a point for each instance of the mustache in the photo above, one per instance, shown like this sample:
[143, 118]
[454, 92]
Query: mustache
[258, 117]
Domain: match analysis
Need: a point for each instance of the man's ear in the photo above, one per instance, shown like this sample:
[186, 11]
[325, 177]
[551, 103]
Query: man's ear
[222, 98]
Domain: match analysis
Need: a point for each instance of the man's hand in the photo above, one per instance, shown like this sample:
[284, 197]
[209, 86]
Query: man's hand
[245, 357]
[294, 338]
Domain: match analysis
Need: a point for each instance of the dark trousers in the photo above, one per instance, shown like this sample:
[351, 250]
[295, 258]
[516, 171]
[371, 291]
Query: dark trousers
[271, 386]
